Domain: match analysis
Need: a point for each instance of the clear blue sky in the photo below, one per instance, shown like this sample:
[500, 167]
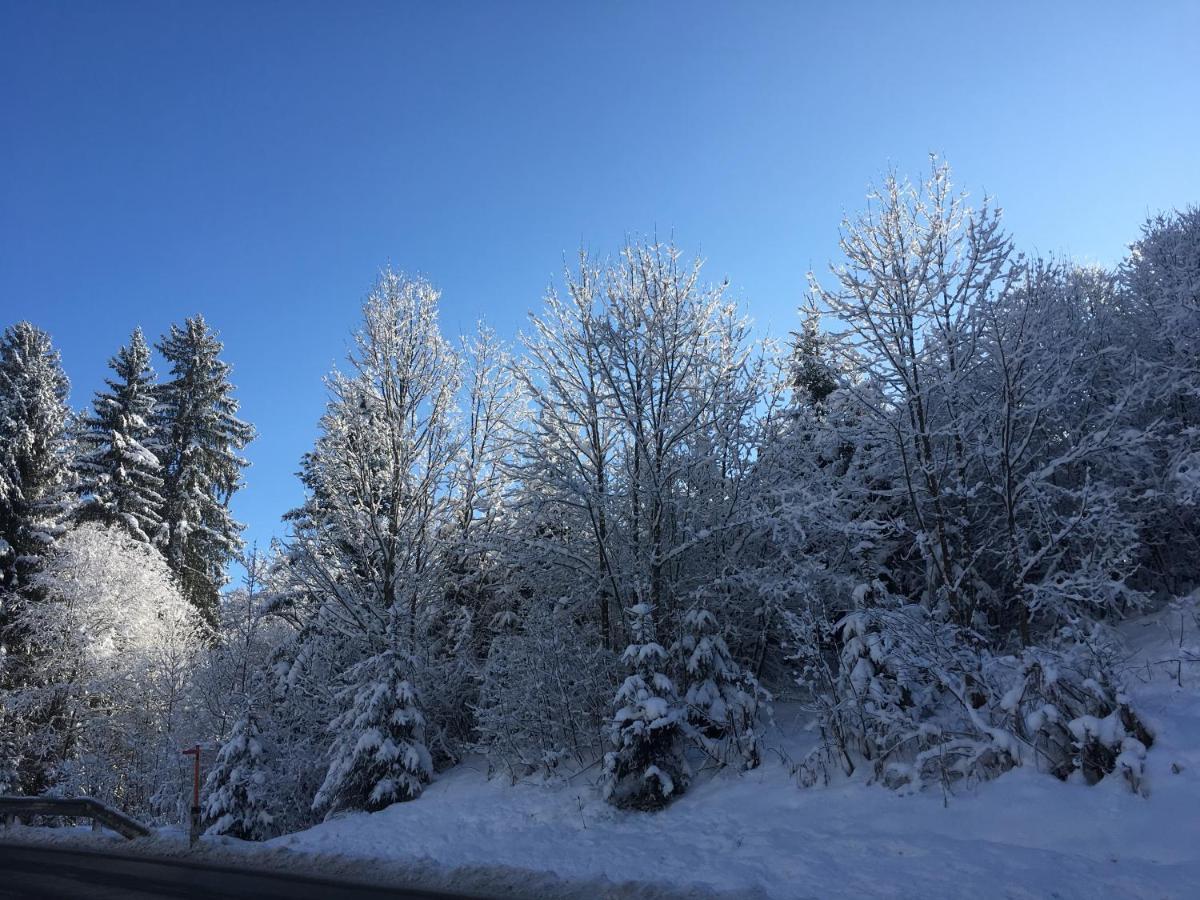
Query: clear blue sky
[260, 161]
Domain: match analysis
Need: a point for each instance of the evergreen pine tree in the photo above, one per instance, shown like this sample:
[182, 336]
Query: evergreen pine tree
[236, 801]
[647, 770]
[118, 471]
[34, 502]
[200, 434]
[33, 467]
[814, 372]
[379, 755]
[722, 699]
[10, 753]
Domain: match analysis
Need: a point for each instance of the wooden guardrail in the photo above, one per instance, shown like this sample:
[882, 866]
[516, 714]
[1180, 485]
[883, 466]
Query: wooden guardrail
[12, 807]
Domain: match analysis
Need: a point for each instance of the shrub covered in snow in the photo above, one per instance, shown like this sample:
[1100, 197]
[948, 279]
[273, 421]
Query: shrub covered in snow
[723, 700]
[545, 697]
[918, 702]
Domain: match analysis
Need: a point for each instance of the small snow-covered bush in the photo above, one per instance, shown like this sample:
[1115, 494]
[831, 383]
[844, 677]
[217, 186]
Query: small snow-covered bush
[545, 696]
[918, 702]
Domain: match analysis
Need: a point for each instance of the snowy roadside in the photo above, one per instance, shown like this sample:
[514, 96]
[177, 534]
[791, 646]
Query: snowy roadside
[500, 881]
[758, 835]
[1022, 835]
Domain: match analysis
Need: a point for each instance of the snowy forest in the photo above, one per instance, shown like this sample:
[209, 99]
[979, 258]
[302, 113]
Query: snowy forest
[607, 550]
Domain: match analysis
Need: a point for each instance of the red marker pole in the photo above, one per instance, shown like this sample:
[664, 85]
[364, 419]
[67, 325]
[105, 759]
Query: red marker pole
[194, 831]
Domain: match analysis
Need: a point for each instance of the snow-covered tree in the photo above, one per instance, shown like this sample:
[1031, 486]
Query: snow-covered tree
[567, 461]
[379, 755]
[10, 752]
[118, 472]
[367, 569]
[917, 264]
[34, 504]
[648, 768]
[236, 669]
[200, 437]
[723, 699]
[236, 800]
[545, 701]
[33, 456]
[106, 703]
[1160, 289]
[377, 478]
[482, 484]
[966, 504]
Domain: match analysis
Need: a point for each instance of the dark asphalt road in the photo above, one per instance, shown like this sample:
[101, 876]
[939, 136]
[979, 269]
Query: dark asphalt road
[38, 872]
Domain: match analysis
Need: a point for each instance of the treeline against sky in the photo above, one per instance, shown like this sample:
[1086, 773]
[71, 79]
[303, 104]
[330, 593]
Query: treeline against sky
[606, 548]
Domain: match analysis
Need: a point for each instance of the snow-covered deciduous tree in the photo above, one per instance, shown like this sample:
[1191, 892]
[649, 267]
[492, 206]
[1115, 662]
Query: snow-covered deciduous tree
[1160, 286]
[918, 264]
[969, 496]
[378, 477]
[117, 470]
[236, 799]
[648, 768]
[108, 703]
[366, 570]
[482, 482]
[648, 402]
[379, 755]
[200, 437]
[11, 744]
[236, 670]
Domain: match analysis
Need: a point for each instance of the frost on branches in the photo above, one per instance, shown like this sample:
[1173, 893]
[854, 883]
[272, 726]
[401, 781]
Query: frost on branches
[379, 755]
[993, 490]
[108, 700]
[236, 791]
[648, 769]
[918, 703]
[925, 519]
[546, 696]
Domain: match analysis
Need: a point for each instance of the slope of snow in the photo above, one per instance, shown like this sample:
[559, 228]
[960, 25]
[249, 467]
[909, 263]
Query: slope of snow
[759, 835]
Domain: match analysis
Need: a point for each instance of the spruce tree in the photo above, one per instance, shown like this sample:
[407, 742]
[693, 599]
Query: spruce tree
[200, 434]
[118, 471]
[648, 769]
[10, 753]
[722, 699]
[814, 373]
[34, 502]
[34, 461]
[236, 801]
[379, 755]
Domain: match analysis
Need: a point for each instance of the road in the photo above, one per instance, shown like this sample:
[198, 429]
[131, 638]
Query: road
[40, 872]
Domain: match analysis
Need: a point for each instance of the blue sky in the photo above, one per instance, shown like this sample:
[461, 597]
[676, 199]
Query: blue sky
[260, 161]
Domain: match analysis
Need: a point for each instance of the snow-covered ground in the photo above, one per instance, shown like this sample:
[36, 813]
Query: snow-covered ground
[759, 835]
[1023, 835]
